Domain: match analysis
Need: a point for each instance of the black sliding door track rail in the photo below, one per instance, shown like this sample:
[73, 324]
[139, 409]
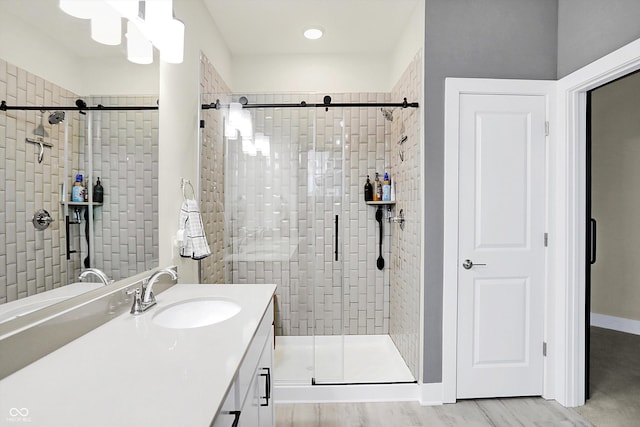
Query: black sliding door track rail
[99, 107]
[326, 104]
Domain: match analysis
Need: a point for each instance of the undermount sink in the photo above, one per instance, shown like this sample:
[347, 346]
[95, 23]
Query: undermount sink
[195, 313]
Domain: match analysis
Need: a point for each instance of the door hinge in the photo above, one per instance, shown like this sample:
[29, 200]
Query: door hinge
[546, 239]
[546, 128]
[544, 349]
[202, 124]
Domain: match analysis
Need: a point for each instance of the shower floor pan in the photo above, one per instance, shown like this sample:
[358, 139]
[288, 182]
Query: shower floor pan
[368, 359]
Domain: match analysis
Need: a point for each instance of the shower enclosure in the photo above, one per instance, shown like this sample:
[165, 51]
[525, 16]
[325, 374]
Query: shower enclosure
[294, 215]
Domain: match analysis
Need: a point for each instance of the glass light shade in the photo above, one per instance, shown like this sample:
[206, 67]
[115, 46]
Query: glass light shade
[139, 49]
[83, 9]
[157, 13]
[126, 8]
[106, 27]
[172, 43]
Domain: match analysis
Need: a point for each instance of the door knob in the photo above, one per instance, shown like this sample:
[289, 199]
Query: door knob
[467, 264]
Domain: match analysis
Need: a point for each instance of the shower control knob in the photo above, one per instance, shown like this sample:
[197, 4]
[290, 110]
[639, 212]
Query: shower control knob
[41, 219]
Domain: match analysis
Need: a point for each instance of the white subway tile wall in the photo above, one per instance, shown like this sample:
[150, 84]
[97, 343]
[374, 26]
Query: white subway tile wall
[281, 213]
[405, 248]
[212, 176]
[31, 261]
[125, 158]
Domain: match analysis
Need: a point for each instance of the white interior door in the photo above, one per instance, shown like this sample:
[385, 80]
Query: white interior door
[501, 260]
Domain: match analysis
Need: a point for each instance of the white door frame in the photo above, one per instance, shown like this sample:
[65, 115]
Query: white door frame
[570, 213]
[455, 87]
[565, 299]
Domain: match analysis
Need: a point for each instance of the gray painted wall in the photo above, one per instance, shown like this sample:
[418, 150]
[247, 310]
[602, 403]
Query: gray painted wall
[511, 39]
[590, 29]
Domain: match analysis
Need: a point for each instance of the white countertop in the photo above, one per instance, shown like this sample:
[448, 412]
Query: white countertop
[131, 372]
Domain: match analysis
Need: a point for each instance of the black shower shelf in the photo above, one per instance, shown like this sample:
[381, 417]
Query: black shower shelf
[381, 203]
[80, 203]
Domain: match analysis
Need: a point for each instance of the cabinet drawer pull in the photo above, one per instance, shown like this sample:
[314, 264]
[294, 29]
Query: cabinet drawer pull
[267, 395]
[236, 418]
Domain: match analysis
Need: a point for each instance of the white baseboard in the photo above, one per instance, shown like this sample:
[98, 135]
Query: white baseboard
[426, 394]
[629, 326]
[431, 394]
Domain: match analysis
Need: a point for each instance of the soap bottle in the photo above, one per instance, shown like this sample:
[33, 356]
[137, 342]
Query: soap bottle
[77, 192]
[393, 190]
[98, 192]
[386, 188]
[377, 188]
[368, 190]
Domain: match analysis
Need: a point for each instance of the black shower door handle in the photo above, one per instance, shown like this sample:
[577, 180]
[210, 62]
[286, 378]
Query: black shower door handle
[335, 247]
[592, 237]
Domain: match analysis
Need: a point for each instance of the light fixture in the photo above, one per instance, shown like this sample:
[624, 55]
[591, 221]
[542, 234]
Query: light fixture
[313, 33]
[150, 23]
[83, 9]
[106, 25]
[171, 44]
[139, 48]
[126, 8]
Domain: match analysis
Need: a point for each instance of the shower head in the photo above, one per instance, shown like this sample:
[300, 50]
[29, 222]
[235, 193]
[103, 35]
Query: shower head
[57, 117]
[388, 114]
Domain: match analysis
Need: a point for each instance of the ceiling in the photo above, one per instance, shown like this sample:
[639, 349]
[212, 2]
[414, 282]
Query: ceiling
[263, 27]
[251, 27]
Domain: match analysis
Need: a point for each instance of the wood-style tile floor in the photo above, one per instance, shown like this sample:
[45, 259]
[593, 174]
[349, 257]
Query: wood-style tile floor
[485, 412]
[615, 400]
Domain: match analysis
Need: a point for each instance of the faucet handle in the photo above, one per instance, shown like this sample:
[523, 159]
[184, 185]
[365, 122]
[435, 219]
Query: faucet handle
[136, 307]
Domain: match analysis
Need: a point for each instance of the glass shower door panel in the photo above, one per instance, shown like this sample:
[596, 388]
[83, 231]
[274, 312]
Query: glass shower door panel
[326, 186]
[266, 223]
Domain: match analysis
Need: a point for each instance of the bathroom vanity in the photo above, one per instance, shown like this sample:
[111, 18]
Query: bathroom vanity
[164, 367]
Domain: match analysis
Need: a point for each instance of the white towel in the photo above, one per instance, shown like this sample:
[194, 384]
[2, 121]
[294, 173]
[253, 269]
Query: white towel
[195, 242]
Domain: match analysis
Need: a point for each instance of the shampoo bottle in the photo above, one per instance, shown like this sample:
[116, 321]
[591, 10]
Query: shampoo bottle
[368, 190]
[77, 192]
[377, 188]
[386, 188]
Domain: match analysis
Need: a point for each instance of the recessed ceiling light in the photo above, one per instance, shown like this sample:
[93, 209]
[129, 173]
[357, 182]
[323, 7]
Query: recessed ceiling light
[313, 33]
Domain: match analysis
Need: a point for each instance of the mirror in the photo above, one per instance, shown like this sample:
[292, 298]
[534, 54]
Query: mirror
[48, 58]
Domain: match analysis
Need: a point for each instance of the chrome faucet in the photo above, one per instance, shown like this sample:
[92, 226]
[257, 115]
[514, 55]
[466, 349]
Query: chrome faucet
[96, 272]
[142, 303]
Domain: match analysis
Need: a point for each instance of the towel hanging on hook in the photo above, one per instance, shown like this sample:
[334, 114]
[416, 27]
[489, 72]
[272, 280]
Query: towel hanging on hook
[184, 183]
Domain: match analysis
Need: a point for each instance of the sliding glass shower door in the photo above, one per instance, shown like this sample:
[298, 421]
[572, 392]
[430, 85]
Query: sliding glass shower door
[325, 170]
[269, 216]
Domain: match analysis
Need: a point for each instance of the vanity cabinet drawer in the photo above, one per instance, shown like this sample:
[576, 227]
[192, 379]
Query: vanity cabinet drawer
[248, 402]
[250, 362]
